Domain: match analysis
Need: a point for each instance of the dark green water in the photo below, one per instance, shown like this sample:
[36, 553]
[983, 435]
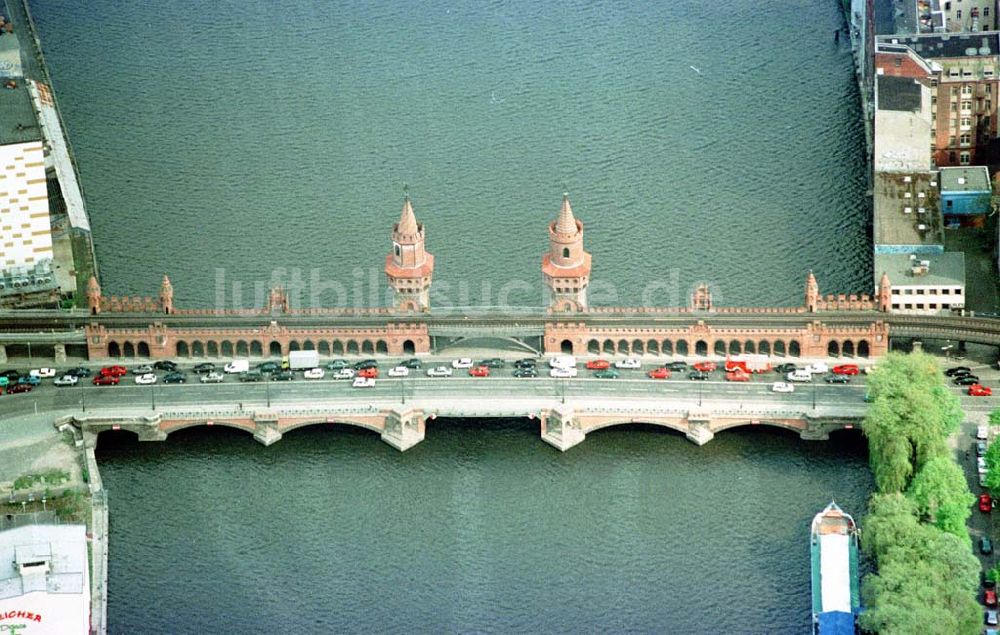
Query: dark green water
[261, 138]
[481, 528]
[247, 141]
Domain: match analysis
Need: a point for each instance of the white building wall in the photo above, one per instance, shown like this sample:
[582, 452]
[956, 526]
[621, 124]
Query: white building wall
[25, 229]
[903, 139]
[42, 613]
[927, 300]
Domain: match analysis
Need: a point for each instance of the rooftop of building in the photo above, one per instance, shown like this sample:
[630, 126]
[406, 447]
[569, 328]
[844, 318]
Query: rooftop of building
[898, 93]
[907, 209]
[18, 123]
[969, 178]
[904, 270]
[62, 547]
[938, 45]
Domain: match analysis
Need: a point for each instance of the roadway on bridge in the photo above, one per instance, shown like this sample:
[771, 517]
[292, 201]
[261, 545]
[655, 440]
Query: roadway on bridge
[489, 392]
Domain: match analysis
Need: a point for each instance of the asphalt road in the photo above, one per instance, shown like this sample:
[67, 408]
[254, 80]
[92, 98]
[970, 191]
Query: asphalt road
[633, 385]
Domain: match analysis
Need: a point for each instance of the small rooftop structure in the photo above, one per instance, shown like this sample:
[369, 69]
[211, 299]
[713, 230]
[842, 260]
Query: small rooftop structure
[50, 558]
[18, 123]
[969, 178]
[925, 270]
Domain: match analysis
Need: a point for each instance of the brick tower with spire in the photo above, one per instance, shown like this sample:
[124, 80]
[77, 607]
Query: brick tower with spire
[884, 293]
[93, 295]
[409, 267]
[167, 295]
[566, 266]
[812, 293]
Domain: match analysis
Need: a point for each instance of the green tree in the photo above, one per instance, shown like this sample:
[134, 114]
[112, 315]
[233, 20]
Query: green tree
[992, 458]
[909, 420]
[942, 495]
[995, 417]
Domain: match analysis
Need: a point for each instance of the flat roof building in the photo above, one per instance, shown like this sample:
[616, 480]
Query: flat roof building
[923, 284]
[907, 215]
[903, 124]
[965, 191]
[45, 580]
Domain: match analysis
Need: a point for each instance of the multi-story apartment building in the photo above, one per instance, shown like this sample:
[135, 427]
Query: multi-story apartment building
[968, 15]
[961, 71]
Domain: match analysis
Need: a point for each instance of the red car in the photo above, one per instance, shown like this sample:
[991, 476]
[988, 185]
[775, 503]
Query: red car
[106, 380]
[990, 597]
[659, 373]
[985, 503]
[114, 371]
[479, 371]
[705, 367]
[978, 390]
[16, 388]
[370, 373]
[846, 369]
[737, 375]
[598, 364]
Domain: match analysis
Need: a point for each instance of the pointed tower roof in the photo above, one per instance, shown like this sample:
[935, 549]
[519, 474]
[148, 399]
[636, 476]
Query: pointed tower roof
[811, 279]
[884, 282]
[93, 286]
[407, 220]
[566, 223]
[166, 283]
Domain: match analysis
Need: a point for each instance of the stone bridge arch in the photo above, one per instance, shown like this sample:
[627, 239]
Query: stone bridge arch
[372, 424]
[790, 424]
[487, 343]
[169, 426]
[590, 424]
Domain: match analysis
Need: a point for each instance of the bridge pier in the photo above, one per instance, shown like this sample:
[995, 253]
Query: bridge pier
[699, 427]
[266, 429]
[560, 429]
[60, 354]
[404, 428]
[3, 354]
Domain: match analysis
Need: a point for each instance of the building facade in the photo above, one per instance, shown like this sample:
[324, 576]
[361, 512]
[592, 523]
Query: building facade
[924, 284]
[964, 85]
[25, 228]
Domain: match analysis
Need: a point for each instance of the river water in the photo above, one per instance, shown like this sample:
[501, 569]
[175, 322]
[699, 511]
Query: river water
[254, 142]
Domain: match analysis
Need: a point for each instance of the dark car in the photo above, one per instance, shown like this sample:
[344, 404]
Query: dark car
[412, 363]
[698, 375]
[525, 371]
[785, 368]
[493, 362]
[837, 379]
[174, 378]
[607, 373]
[79, 371]
[985, 545]
[957, 370]
[252, 375]
[29, 379]
[366, 363]
[13, 389]
[11, 374]
[337, 364]
[285, 375]
[527, 362]
[165, 364]
[268, 367]
[981, 448]
[965, 380]
[204, 367]
[676, 366]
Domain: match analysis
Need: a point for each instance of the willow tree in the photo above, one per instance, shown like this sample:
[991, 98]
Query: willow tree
[912, 414]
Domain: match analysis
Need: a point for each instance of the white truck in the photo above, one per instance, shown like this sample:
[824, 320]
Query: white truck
[302, 360]
[237, 366]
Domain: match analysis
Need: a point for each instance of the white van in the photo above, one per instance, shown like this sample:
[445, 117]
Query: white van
[238, 366]
[563, 361]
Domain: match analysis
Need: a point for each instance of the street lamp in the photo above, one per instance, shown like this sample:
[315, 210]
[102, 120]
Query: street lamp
[153, 398]
[402, 389]
[814, 396]
[267, 390]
